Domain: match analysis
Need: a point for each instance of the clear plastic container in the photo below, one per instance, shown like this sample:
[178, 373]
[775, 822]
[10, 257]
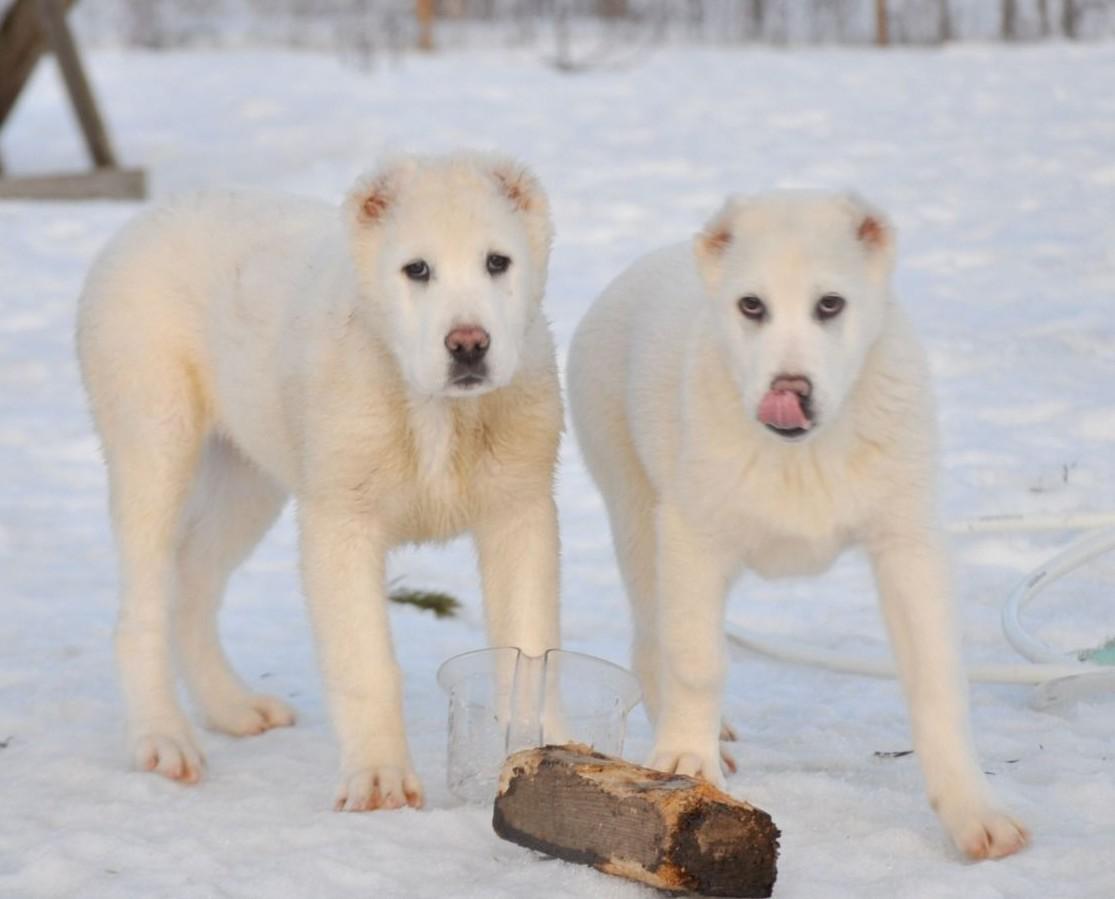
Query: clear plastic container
[502, 700]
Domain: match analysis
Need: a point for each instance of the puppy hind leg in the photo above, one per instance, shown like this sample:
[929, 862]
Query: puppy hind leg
[231, 506]
[151, 430]
[631, 515]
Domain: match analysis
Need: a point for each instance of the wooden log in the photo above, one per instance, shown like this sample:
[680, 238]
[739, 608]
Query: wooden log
[666, 830]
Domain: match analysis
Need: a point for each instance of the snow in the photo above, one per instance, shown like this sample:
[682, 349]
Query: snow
[996, 164]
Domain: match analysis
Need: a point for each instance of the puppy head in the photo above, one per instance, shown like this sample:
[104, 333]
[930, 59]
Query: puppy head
[800, 282]
[451, 254]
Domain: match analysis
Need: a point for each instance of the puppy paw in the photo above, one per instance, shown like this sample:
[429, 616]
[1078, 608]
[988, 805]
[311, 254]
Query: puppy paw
[378, 787]
[248, 714]
[728, 734]
[703, 764]
[169, 751]
[982, 831]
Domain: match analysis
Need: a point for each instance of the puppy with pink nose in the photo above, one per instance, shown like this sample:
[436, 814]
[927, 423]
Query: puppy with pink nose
[757, 400]
[384, 361]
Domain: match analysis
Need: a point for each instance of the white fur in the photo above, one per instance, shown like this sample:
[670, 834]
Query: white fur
[238, 348]
[665, 380]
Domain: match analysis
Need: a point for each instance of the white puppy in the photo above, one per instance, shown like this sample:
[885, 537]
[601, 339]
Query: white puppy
[387, 364]
[758, 401]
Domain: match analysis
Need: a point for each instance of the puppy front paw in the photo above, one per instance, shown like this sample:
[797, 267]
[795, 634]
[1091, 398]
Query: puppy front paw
[982, 831]
[378, 787]
[168, 749]
[703, 763]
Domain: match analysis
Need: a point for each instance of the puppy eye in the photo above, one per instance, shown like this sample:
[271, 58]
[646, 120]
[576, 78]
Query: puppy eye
[417, 270]
[497, 263]
[753, 308]
[830, 306]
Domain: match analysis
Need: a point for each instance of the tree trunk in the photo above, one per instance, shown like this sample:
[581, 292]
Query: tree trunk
[424, 11]
[882, 23]
[757, 15]
[944, 22]
[1009, 20]
[1043, 17]
[1071, 14]
[611, 9]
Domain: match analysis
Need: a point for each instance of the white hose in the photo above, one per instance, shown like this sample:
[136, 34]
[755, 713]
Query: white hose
[994, 524]
[1076, 554]
[880, 666]
[1046, 664]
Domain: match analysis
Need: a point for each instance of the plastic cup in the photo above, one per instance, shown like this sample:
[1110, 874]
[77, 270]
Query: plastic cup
[502, 700]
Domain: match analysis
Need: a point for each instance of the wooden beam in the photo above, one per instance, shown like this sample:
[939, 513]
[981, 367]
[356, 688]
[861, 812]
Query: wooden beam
[22, 42]
[52, 15]
[99, 184]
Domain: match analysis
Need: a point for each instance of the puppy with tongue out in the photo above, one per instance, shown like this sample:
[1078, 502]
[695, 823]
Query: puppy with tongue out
[757, 400]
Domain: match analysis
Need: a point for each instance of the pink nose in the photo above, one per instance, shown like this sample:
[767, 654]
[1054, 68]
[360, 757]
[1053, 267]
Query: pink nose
[467, 344]
[798, 384]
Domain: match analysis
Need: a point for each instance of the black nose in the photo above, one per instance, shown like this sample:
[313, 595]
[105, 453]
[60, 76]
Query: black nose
[467, 345]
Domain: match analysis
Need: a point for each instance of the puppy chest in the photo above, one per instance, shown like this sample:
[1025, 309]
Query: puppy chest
[783, 533]
[782, 555]
[429, 509]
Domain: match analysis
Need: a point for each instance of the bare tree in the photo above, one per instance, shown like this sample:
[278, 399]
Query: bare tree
[1008, 21]
[145, 24]
[945, 30]
[882, 23]
[1043, 17]
[757, 17]
[1070, 18]
[424, 12]
[611, 9]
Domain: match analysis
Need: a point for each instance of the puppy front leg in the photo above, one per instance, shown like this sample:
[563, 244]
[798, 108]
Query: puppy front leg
[343, 556]
[692, 585]
[518, 552]
[915, 591]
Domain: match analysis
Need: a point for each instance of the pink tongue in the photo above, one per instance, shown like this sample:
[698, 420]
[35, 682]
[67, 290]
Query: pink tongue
[782, 409]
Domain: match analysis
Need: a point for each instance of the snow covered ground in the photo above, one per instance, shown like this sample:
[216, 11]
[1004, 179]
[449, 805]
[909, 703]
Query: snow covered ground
[999, 167]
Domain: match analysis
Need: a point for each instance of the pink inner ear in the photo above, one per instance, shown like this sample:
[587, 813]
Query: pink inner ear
[514, 189]
[871, 232]
[717, 241]
[375, 205]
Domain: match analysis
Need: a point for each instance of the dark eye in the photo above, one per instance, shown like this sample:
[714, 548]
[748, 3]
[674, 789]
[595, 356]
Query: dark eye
[753, 308]
[498, 263]
[417, 270]
[830, 306]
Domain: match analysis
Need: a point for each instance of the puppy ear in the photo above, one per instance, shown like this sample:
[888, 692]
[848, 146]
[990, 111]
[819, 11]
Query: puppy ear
[713, 242]
[372, 196]
[873, 230]
[524, 192]
[518, 185]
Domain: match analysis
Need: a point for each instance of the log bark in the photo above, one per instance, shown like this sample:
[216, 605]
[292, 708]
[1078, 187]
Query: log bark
[669, 831]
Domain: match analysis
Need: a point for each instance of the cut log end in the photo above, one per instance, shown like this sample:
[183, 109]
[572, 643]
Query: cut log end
[669, 831]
